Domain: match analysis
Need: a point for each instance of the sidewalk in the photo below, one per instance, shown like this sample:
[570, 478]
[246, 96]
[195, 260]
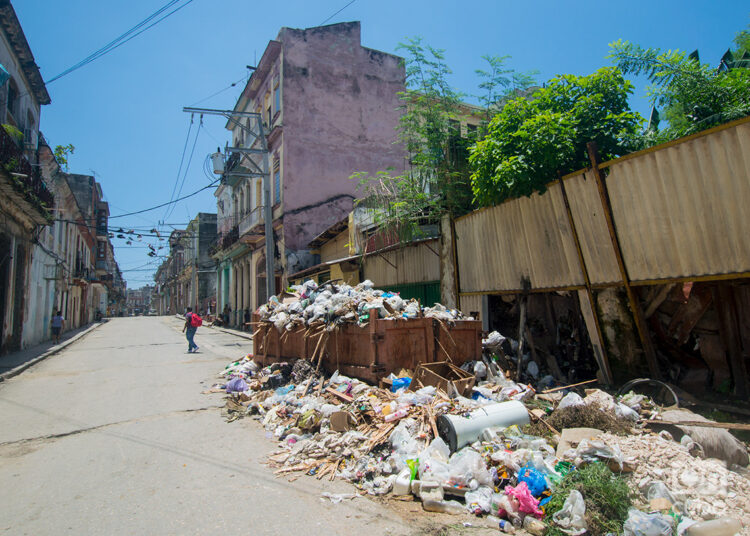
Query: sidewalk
[16, 362]
[231, 331]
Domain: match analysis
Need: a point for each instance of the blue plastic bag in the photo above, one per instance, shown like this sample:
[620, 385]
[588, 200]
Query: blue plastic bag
[400, 383]
[535, 480]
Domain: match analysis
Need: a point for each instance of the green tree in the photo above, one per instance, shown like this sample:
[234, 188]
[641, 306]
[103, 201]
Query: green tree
[436, 181]
[62, 152]
[533, 139]
[438, 178]
[500, 83]
[693, 95]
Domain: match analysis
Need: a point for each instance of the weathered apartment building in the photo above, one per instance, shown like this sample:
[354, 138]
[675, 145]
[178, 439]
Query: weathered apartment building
[53, 225]
[330, 108]
[187, 278]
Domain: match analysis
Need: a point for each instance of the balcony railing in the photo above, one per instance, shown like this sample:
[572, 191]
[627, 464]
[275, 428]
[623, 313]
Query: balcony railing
[230, 238]
[250, 220]
[27, 179]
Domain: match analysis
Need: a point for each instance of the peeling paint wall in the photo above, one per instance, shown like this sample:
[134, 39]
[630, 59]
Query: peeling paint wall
[340, 114]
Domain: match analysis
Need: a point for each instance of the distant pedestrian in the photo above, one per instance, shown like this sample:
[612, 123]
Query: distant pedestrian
[58, 322]
[190, 330]
[225, 314]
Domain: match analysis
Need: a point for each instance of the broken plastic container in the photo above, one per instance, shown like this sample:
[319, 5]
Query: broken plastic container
[459, 431]
[724, 526]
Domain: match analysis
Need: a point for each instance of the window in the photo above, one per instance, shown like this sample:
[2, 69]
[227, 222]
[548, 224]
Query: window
[12, 96]
[276, 181]
[277, 94]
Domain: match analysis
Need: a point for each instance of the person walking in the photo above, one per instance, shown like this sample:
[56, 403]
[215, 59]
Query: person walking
[190, 330]
[225, 314]
[58, 322]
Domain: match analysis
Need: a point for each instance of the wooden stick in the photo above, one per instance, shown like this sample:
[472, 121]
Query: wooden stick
[568, 386]
[343, 396]
[727, 425]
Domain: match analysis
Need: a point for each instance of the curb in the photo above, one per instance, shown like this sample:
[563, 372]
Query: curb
[52, 351]
[235, 333]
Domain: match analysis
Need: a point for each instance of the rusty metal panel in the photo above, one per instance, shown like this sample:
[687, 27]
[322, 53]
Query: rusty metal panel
[418, 263]
[683, 210]
[377, 349]
[527, 237]
[467, 304]
[588, 217]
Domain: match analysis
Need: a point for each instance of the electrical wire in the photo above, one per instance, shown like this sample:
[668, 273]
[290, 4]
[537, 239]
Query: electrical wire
[165, 204]
[220, 91]
[116, 43]
[339, 11]
[179, 169]
[187, 168]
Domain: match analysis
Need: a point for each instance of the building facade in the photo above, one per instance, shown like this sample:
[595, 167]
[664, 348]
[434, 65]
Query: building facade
[25, 201]
[330, 108]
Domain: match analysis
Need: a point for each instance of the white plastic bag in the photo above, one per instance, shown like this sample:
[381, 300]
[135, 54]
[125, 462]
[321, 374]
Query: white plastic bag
[641, 524]
[570, 400]
[467, 465]
[624, 412]
[479, 499]
[570, 517]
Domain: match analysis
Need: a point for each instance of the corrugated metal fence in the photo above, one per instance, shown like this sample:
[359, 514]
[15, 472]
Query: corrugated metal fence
[680, 212]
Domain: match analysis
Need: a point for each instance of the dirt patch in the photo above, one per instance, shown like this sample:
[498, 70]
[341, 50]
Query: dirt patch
[589, 416]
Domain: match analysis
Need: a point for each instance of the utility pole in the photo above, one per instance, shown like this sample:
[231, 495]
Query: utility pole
[258, 135]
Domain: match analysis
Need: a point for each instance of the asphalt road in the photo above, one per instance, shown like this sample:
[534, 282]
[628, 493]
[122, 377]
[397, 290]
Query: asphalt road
[113, 436]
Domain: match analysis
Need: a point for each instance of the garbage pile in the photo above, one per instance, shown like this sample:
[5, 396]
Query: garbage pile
[338, 303]
[490, 451]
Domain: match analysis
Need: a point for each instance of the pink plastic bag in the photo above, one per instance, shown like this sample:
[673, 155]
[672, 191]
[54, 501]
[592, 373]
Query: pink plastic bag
[527, 504]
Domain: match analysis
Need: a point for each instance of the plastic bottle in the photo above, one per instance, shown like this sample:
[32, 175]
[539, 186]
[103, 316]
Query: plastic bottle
[533, 526]
[724, 526]
[506, 526]
[398, 414]
[444, 507]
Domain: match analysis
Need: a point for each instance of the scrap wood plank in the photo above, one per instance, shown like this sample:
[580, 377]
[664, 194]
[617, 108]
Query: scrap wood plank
[433, 423]
[343, 396]
[380, 436]
[727, 425]
[568, 386]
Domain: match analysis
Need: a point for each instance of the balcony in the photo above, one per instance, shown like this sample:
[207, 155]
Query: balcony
[250, 221]
[23, 182]
[84, 275]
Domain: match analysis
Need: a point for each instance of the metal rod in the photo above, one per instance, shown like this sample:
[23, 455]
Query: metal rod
[213, 111]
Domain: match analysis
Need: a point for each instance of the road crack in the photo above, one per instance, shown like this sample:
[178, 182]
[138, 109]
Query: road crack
[106, 425]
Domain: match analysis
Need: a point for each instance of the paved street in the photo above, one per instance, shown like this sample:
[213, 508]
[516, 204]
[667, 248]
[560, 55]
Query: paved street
[113, 436]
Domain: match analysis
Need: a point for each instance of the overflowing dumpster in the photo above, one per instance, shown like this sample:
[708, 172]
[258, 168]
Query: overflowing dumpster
[362, 332]
[375, 350]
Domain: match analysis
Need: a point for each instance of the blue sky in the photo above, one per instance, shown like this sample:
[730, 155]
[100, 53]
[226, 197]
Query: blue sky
[124, 115]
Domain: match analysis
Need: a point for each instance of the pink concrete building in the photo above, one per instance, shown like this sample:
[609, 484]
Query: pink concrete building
[331, 107]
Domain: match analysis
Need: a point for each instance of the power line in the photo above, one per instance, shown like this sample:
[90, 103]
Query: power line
[165, 204]
[182, 159]
[220, 91]
[187, 168]
[339, 11]
[116, 43]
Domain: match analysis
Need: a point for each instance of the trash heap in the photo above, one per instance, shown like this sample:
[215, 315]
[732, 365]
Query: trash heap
[338, 303]
[413, 444]
[507, 453]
